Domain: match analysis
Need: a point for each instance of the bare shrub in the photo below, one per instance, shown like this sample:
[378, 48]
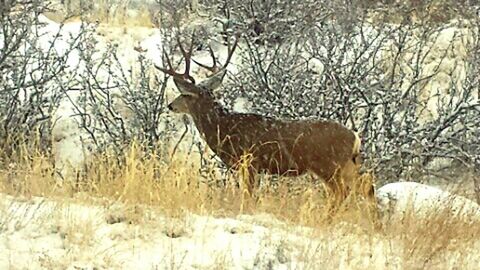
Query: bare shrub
[413, 101]
[33, 73]
[376, 76]
[117, 105]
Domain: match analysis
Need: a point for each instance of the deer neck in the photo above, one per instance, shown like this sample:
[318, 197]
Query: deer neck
[209, 120]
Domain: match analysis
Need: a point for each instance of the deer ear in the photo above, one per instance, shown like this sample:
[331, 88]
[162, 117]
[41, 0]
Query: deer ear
[214, 81]
[187, 88]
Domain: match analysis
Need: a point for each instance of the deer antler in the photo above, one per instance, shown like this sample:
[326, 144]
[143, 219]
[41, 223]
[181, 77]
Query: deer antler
[214, 68]
[187, 55]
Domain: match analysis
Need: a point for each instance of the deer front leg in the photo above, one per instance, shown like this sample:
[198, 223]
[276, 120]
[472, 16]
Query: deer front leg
[247, 174]
[248, 186]
[249, 181]
[336, 194]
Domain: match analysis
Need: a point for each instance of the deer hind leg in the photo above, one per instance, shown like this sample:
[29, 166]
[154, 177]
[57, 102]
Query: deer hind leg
[252, 182]
[362, 185]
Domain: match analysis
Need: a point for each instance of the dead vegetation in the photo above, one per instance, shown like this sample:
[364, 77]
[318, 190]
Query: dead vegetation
[130, 193]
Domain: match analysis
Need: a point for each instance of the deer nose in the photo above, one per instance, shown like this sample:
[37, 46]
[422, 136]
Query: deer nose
[170, 107]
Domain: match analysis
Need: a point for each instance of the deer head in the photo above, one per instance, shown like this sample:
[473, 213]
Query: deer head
[193, 95]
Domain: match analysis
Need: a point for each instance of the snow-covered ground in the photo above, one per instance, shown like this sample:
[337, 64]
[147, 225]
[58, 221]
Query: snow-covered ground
[39, 233]
[44, 234]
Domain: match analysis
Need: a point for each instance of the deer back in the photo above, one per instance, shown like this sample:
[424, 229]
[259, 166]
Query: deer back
[277, 146]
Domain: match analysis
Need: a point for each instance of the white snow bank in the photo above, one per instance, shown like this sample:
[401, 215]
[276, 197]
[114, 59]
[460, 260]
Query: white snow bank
[154, 49]
[38, 233]
[395, 200]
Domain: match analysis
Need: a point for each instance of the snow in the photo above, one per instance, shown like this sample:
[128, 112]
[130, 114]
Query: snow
[154, 49]
[242, 105]
[61, 45]
[398, 199]
[71, 143]
[38, 233]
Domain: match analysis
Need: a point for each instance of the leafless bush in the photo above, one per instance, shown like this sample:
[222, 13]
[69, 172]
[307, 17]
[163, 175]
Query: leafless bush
[117, 104]
[302, 59]
[33, 72]
[372, 76]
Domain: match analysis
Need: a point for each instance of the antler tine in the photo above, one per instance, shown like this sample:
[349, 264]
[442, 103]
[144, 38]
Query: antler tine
[187, 56]
[214, 68]
[170, 71]
[191, 44]
[169, 63]
[231, 49]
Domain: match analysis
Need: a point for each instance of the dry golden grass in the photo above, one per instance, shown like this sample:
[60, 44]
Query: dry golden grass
[177, 187]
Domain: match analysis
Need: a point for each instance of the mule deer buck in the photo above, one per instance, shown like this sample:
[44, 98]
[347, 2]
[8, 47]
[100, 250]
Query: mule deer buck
[290, 148]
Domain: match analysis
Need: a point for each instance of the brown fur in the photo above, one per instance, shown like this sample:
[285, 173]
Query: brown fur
[280, 147]
[291, 148]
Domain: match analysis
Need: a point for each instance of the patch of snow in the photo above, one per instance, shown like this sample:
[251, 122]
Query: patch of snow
[66, 33]
[154, 49]
[395, 200]
[242, 105]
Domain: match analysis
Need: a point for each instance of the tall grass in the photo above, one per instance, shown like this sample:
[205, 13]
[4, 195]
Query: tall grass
[137, 178]
[177, 187]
